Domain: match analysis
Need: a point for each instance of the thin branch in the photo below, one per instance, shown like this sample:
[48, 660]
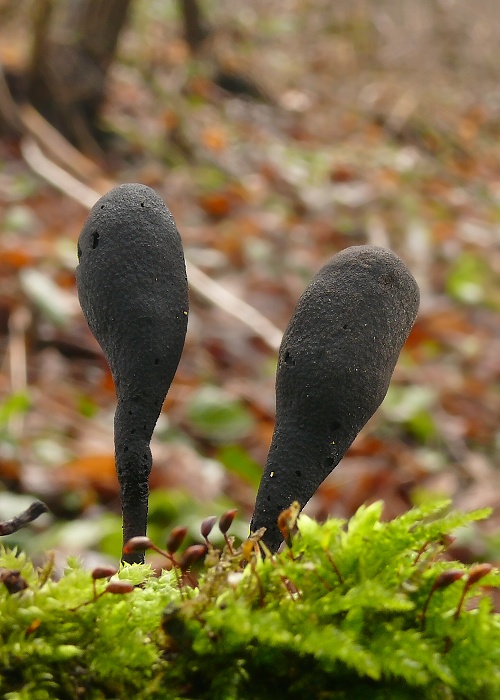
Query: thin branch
[59, 150]
[233, 305]
[195, 29]
[7, 527]
[8, 108]
[56, 176]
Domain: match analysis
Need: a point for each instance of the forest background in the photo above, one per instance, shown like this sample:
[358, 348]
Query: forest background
[278, 133]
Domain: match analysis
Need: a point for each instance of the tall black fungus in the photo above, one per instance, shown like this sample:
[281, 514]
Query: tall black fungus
[334, 367]
[133, 291]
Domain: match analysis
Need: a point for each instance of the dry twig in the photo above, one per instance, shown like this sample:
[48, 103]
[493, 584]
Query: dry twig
[7, 527]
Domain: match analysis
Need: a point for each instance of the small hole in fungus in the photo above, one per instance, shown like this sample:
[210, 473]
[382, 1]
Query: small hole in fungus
[269, 498]
[131, 413]
[298, 472]
[157, 360]
[79, 251]
[132, 431]
[142, 204]
[288, 360]
[125, 449]
[329, 462]
[345, 326]
[102, 206]
[95, 239]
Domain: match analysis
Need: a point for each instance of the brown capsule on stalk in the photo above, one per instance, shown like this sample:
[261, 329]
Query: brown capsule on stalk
[226, 520]
[207, 526]
[137, 544]
[103, 572]
[191, 556]
[176, 538]
[477, 572]
[443, 580]
[446, 578]
[12, 580]
[119, 587]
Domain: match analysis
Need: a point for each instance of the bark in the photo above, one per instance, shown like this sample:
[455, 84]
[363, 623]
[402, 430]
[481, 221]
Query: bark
[74, 45]
[195, 28]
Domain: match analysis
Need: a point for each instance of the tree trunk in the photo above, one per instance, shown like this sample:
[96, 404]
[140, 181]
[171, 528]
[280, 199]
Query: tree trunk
[74, 44]
[195, 28]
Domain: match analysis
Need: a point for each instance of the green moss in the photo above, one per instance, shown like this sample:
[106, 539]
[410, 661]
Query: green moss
[347, 612]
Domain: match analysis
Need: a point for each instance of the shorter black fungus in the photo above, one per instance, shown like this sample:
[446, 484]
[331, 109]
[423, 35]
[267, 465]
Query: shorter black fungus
[339, 379]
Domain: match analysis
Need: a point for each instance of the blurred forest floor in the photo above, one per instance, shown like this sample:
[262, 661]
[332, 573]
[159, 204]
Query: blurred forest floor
[369, 123]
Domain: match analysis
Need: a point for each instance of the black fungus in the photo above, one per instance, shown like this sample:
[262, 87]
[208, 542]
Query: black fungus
[133, 291]
[338, 379]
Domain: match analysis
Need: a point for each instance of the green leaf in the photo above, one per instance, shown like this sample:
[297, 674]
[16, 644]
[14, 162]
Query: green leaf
[412, 406]
[466, 279]
[216, 415]
[237, 460]
[14, 405]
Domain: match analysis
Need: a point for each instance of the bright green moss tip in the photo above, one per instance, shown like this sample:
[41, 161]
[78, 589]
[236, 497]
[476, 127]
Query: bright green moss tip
[363, 609]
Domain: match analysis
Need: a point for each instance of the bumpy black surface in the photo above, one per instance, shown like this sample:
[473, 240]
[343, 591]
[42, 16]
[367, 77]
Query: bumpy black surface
[133, 291]
[335, 364]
